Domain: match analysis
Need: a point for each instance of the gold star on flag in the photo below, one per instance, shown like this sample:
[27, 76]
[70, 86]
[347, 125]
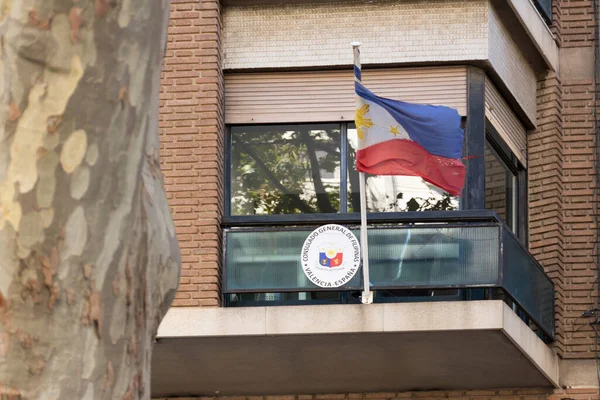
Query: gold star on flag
[361, 121]
[394, 130]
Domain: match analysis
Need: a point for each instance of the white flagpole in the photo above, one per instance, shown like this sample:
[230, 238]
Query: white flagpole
[367, 295]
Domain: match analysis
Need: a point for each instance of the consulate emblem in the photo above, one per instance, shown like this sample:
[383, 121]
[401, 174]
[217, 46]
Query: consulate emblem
[330, 256]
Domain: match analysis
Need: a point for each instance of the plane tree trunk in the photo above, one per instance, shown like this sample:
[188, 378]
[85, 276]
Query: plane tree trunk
[89, 261]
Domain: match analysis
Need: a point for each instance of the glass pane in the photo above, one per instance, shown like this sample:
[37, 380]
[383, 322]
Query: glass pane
[285, 169]
[545, 8]
[499, 184]
[433, 257]
[527, 283]
[269, 259]
[393, 193]
[254, 299]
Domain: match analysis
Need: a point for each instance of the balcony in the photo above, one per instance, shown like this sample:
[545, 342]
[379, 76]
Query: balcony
[462, 305]
[413, 257]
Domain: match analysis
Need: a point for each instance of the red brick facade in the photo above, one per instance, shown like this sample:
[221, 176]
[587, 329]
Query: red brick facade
[191, 121]
[545, 182]
[579, 232]
[575, 23]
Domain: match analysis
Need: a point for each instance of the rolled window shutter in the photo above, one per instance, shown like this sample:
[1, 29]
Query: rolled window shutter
[508, 125]
[326, 96]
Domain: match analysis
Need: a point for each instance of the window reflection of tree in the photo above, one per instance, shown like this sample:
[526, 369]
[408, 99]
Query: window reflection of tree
[295, 169]
[279, 170]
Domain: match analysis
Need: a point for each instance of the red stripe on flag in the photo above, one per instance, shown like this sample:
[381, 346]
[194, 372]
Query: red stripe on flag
[405, 157]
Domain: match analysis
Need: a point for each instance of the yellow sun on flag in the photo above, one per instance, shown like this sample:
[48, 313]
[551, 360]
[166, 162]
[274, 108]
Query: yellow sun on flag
[361, 121]
[395, 130]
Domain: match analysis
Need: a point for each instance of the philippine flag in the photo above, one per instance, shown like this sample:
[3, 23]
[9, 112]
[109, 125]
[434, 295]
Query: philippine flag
[397, 138]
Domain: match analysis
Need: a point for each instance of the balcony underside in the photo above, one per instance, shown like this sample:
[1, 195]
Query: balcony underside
[348, 348]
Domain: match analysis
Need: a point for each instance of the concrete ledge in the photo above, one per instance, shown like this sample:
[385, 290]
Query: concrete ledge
[578, 373]
[532, 347]
[537, 30]
[212, 321]
[343, 318]
[443, 316]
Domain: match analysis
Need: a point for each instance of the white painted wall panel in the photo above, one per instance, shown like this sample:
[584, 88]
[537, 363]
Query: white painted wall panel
[511, 65]
[391, 31]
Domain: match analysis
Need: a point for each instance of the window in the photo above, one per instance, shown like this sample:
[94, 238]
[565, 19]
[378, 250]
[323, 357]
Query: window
[545, 9]
[283, 169]
[505, 183]
[500, 183]
[310, 168]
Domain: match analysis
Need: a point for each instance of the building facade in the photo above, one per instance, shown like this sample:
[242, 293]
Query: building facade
[493, 294]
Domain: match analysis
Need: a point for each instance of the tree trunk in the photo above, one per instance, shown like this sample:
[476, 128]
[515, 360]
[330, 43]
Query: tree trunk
[89, 261]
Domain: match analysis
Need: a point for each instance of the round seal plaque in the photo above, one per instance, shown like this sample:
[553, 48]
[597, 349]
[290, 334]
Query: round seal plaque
[330, 256]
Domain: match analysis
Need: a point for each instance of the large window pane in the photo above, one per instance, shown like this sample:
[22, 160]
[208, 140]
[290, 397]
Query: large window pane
[285, 169]
[393, 193]
[500, 185]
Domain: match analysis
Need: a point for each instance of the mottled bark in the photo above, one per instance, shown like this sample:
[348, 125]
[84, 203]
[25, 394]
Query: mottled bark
[89, 261]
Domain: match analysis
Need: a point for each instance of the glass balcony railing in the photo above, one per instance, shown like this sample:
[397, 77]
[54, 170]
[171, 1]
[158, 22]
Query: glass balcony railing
[453, 253]
[545, 9]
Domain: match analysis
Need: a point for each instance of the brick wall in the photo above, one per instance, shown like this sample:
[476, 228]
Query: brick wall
[561, 157]
[545, 182]
[556, 26]
[575, 22]
[504, 394]
[579, 232]
[191, 122]
[580, 291]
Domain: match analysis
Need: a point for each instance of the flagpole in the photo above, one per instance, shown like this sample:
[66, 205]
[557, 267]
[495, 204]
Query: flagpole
[367, 295]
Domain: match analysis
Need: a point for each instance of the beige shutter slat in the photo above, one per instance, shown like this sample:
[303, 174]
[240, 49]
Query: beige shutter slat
[324, 96]
[500, 115]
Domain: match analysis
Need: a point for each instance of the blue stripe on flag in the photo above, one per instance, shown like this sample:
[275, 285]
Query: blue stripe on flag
[436, 128]
[357, 73]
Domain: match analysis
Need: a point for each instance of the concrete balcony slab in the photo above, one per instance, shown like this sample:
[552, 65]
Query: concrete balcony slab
[341, 348]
